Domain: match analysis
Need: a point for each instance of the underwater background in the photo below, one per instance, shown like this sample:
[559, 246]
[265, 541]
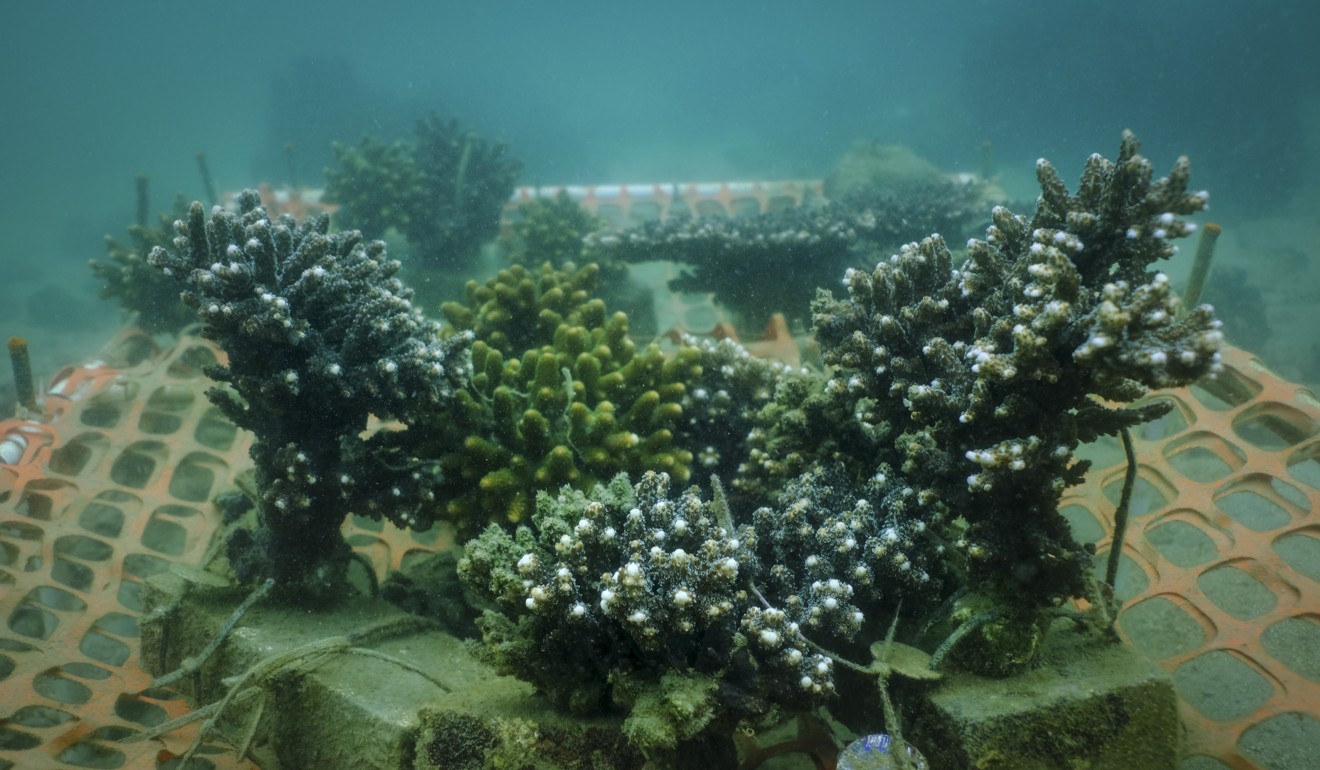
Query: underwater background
[588, 92]
[94, 95]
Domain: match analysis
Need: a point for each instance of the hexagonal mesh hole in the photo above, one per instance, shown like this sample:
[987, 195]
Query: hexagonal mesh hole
[1222, 686]
[1204, 457]
[159, 423]
[189, 364]
[1283, 742]
[1253, 511]
[1162, 628]
[1086, 528]
[1301, 551]
[1131, 579]
[80, 453]
[135, 466]
[1150, 493]
[1226, 390]
[1273, 426]
[1304, 465]
[171, 398]
[54, 685]
[1181, 542]
[164, 535]
[1172, 423]
[105, 514]
[1295, 642]
[195, 475]
[1236, 591]
[214, 431]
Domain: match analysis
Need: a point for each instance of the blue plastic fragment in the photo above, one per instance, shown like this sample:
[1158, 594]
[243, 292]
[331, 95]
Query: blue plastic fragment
[872, 752]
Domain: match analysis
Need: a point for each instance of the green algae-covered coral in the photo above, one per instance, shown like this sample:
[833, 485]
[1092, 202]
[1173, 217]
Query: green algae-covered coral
[559, 395]
[319, 336]
[973, 384]
[630, 598]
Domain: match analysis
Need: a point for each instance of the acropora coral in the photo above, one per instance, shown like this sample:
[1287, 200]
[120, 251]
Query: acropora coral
[724, 406]
[629, 597]
[923, 472]
[896, 196]
[319, 336]
[774, 261]
[755, 265]
[444, 191]
[971, 386]
[560, 395]
[369, 185]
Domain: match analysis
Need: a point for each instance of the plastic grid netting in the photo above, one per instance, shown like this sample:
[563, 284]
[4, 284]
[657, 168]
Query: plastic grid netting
[112, 486]
[1220, 571]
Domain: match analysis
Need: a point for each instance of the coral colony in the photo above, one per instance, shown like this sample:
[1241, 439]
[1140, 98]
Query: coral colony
[925, 470]
[559, 395]
[773, 261]
[319, 336]
[443, 191]
[932, 463]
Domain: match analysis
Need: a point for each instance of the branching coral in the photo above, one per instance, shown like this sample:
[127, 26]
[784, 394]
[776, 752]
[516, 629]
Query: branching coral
[755, 265]
[975, 383]
[550, 230]
[622, 596]
[896, 196]
[846, 555]
[560, 395]
[370, 184]
[722, 409]
[319, 336]
[889, 217]
[443, 191]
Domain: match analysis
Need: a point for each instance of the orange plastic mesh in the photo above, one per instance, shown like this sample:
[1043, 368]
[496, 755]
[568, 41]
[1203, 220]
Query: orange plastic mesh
[1220, 572]
[1221, 567]
[113, 487]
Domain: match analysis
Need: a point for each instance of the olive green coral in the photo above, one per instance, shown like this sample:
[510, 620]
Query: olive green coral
[560, 395]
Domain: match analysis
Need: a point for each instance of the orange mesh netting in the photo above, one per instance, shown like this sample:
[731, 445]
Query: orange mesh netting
[1220, 573]
[113, 487]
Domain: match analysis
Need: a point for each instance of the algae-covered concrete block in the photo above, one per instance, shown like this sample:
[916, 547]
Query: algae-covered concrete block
[1089, 705]
[363, 686]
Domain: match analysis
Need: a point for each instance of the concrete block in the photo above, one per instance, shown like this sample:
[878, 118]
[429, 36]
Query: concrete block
[348, 710]
[1089, 705]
